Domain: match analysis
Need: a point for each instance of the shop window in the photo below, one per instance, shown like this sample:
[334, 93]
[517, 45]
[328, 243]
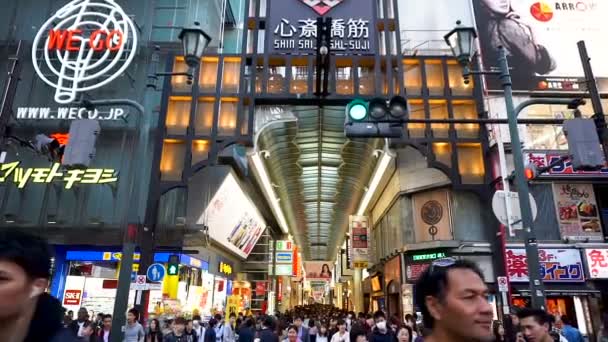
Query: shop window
[443, 153]
[366, 77]
[204, 116]
[299, 76]
[439, 110]
[180, 83]
[416, 130]
[172, 160]
[457, 85]
[208, 75]
[259, 73]
[470, 163]
[412, 77]
[178, 115]
[231, 75]
[434, 77]
[200, 151]
[276, 79]
[465, 110]
[245, 121]
[228, 116]
[344, 76]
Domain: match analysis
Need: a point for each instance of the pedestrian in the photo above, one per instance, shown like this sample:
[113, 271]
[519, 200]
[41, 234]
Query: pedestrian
[210, 332]
[155, 333]
[499, 332]
[247, 332]
[535, 325]
[192, 335]
[179, 332]
[453, 300]
[341, 335]
[404, 334]
[87, 332]
[103, 335]
[134, 332]
[358, 335]
[322, 334]
[381, 332]
[302, 330]
[410, 321]
[312, 330]
[198, 327]
[292, 334]
[77, 325]
[267, 334]
[571, 333]
[229, 334]
[519, 337]
[219, 328]
[333, 326]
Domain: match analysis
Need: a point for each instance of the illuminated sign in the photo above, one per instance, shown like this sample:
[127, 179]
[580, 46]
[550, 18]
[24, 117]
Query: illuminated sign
[225, 268]
[69, 113]
[84, 46]
[45, 175]
[556, 265]
[72, 297]
[429, 256]
[560, 169]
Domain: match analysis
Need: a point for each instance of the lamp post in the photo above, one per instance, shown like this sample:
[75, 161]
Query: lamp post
[194, 41]
[462, 42]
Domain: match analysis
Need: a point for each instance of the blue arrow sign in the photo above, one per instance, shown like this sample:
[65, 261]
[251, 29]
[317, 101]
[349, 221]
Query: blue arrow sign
[156, 273]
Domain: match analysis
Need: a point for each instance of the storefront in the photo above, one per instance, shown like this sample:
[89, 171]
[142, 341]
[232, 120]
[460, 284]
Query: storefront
[89, 278]
[563, 274]
[392, 283]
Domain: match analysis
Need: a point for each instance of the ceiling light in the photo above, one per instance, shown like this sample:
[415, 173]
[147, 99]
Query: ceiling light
[375, 182]
[269, 191]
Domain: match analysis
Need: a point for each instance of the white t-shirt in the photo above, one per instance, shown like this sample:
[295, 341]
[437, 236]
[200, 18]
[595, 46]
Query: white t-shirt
[338, 338]
[80, 328]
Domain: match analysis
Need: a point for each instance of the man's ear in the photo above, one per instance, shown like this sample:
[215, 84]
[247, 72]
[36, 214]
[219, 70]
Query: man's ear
[38, 287]
[434, 307]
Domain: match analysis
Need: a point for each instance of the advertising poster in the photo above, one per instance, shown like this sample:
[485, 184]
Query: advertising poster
[318, 270]
[577, 211]
[233, 220]
[556, 265]
[359, 239]
[540, 38]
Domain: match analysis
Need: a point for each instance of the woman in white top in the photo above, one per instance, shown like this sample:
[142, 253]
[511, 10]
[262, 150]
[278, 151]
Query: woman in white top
[322, 334]
[342, 334]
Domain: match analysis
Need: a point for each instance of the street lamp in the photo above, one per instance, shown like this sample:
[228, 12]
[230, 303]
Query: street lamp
[462, 42]
[194, 42]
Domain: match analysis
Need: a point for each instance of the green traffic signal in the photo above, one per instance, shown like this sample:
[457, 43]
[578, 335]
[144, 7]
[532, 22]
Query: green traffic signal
[172, 270]
[357, 110]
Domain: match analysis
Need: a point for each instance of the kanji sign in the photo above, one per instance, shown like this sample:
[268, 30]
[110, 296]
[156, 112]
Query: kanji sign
[44, 175]
[359, 232]
[597, 263]
[293, 25]
[562, 169]
[556, 265]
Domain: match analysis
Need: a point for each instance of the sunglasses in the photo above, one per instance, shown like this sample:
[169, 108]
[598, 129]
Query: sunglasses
[441, 263]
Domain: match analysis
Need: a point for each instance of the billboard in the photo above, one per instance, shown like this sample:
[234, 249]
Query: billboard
[359, 246]
[318, 270]
[233, 220]
[556, 265]
[577, 212]
[540, 39]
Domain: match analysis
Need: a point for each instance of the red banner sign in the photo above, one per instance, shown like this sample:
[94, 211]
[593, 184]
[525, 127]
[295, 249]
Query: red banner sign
[564, 168]
[72, 297]
[260, 288]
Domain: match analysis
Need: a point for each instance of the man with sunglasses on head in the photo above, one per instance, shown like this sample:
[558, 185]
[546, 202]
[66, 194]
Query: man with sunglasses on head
[453, 300]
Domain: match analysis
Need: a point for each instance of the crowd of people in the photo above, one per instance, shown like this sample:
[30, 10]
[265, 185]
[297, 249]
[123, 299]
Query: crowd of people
[451, 295]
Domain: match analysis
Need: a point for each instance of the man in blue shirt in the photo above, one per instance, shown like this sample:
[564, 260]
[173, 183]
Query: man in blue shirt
[571, 333]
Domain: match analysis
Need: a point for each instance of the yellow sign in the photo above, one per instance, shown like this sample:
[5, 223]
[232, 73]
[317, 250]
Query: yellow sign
[360, 264]
[232, 306]
[44, 175]
[225, 268]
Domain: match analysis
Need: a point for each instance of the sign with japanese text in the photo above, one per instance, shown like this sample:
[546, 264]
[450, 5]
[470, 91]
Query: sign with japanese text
[225, 268]
[561, 169]
[293, 26]
[416, 264]
[597, 263]
[260, 288]
[359, 246]
[556, 265]
[577, 212]
[11, 172]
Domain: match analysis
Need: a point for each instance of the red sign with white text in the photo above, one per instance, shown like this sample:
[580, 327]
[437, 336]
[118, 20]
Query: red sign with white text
[260, 288]
[72, 297]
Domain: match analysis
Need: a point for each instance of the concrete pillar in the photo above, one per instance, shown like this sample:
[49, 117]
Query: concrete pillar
[358, 290]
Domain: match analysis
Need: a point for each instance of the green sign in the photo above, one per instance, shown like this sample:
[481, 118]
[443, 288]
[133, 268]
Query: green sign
[172, 270]
[428, 256]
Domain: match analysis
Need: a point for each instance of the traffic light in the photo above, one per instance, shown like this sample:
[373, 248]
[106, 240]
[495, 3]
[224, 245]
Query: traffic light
[80, 149]
[377, 118]
[173, 265]
[530, 171]
[584, 148]
[49, 146]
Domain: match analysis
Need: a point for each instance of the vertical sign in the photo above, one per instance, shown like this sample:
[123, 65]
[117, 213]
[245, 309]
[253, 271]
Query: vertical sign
[359, 230]
[577, 212]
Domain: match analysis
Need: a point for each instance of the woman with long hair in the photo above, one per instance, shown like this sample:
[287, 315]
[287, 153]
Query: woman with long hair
[322, 335]
[292, 334]
[325, 272]
[499, 332]
[154, 332]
